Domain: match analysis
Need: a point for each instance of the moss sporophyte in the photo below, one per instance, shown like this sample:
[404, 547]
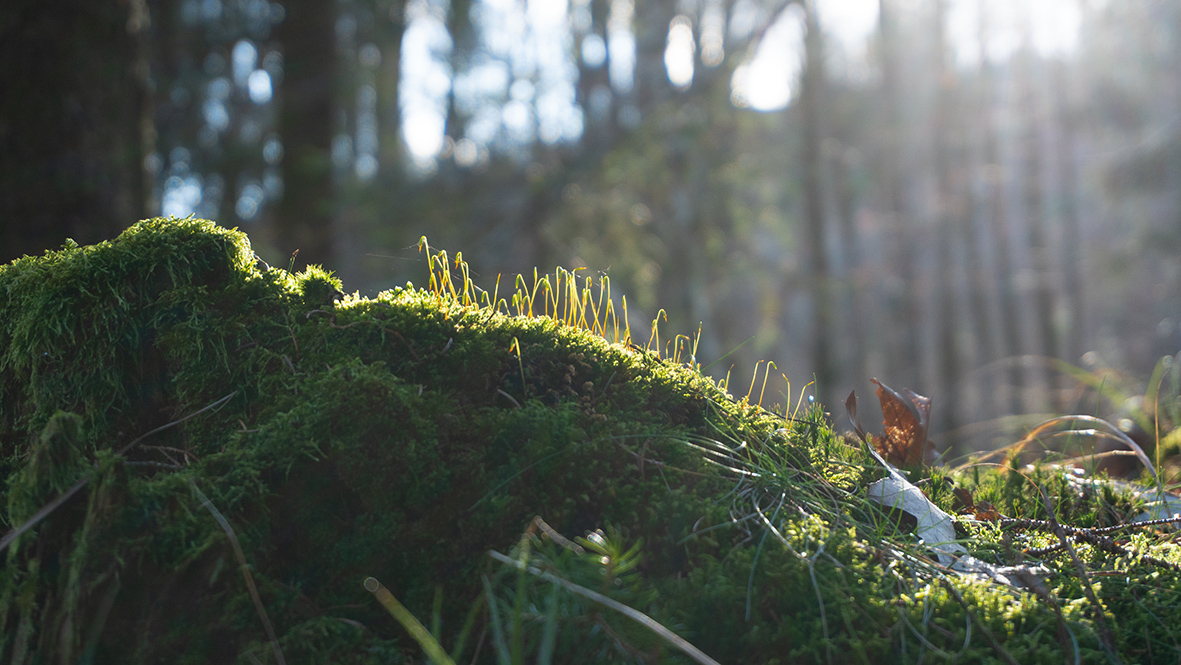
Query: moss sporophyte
[213, 460]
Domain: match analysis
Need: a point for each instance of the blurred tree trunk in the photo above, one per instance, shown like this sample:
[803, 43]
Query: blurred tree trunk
[903, 361]
[996, 177]
[304, 216]
[594, 93]
[1072, 232]
[74, 93]
[950, 223]
[1038, 225]
[463, 48]
[392, 19]
[990, 396]
[652, 86]
[844, 159]
[811, 102]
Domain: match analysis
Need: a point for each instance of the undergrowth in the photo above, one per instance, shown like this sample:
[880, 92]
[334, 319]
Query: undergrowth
[216, 461]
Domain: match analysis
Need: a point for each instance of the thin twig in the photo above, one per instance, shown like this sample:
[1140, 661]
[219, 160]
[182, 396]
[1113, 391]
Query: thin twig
[42, 514]
[1105, 636]
[53, 505]
[510, 397]
[557, 537]
[988, 636]
[161, 428]
[262, 612]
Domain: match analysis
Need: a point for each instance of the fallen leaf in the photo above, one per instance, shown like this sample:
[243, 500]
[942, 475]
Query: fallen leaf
[905, 417]
[851, 409]
[963, 504]
[986, 512]
[937, 531]
[935, 527]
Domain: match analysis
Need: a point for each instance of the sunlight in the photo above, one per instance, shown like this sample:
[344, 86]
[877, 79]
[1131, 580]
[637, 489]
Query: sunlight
[621, 46]
[181, 196]
[425, 81]
[768, 81]
[678, 55]
[1051, 26]
[849, 23]
[259, 86]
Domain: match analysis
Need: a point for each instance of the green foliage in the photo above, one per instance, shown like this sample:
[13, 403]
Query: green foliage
[404, 437]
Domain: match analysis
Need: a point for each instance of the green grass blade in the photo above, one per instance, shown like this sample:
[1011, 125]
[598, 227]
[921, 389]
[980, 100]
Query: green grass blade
[502, 655]
[633, 614]
[466, 631]
[403, 616]
[549, 633]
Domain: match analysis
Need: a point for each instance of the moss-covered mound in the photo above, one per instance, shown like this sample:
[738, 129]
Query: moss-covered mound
[215, 455]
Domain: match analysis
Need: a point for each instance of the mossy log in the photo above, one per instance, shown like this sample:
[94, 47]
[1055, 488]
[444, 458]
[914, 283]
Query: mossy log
[173, 383]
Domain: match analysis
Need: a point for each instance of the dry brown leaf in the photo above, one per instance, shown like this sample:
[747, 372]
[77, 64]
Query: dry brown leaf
[982, 510]
[986, 512]
[963, 503]
[905, 417]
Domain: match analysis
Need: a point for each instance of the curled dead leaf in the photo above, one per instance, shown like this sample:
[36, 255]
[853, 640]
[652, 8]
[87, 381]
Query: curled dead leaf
[906, 417]
[963, 503]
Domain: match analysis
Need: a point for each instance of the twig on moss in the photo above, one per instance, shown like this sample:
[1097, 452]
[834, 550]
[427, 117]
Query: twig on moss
[1105, 637]
[1096, 537]
[42, 514]
[409, 346]
[167, 449]
[988, 636]
[211, 406]
[161, 465]
[53, 505]
[294, 341]
[1065, 636]
[510, 397]
[262, 612]
[541, 525]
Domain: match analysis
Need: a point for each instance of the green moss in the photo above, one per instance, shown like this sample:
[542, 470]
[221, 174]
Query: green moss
[405, 436]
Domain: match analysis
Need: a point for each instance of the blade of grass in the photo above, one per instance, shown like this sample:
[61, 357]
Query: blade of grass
[549, 633]
[1102, 425]
[633, 614]
[437, 613]
[728, 354]
[468, 624]
[516, 653]
[403, 616]
[502, 654]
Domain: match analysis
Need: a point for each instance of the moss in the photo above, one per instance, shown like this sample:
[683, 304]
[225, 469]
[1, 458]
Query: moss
[405, 436]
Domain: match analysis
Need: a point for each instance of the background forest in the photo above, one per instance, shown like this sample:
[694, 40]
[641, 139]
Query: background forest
[950, 195]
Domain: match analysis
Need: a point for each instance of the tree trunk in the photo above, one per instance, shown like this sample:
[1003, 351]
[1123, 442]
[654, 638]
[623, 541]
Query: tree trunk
[1072, 232]
[304, 217]
[811, 107]
[74, 80]
[995, 177]
[950, 222]
[903, 362]
[1038, 223]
